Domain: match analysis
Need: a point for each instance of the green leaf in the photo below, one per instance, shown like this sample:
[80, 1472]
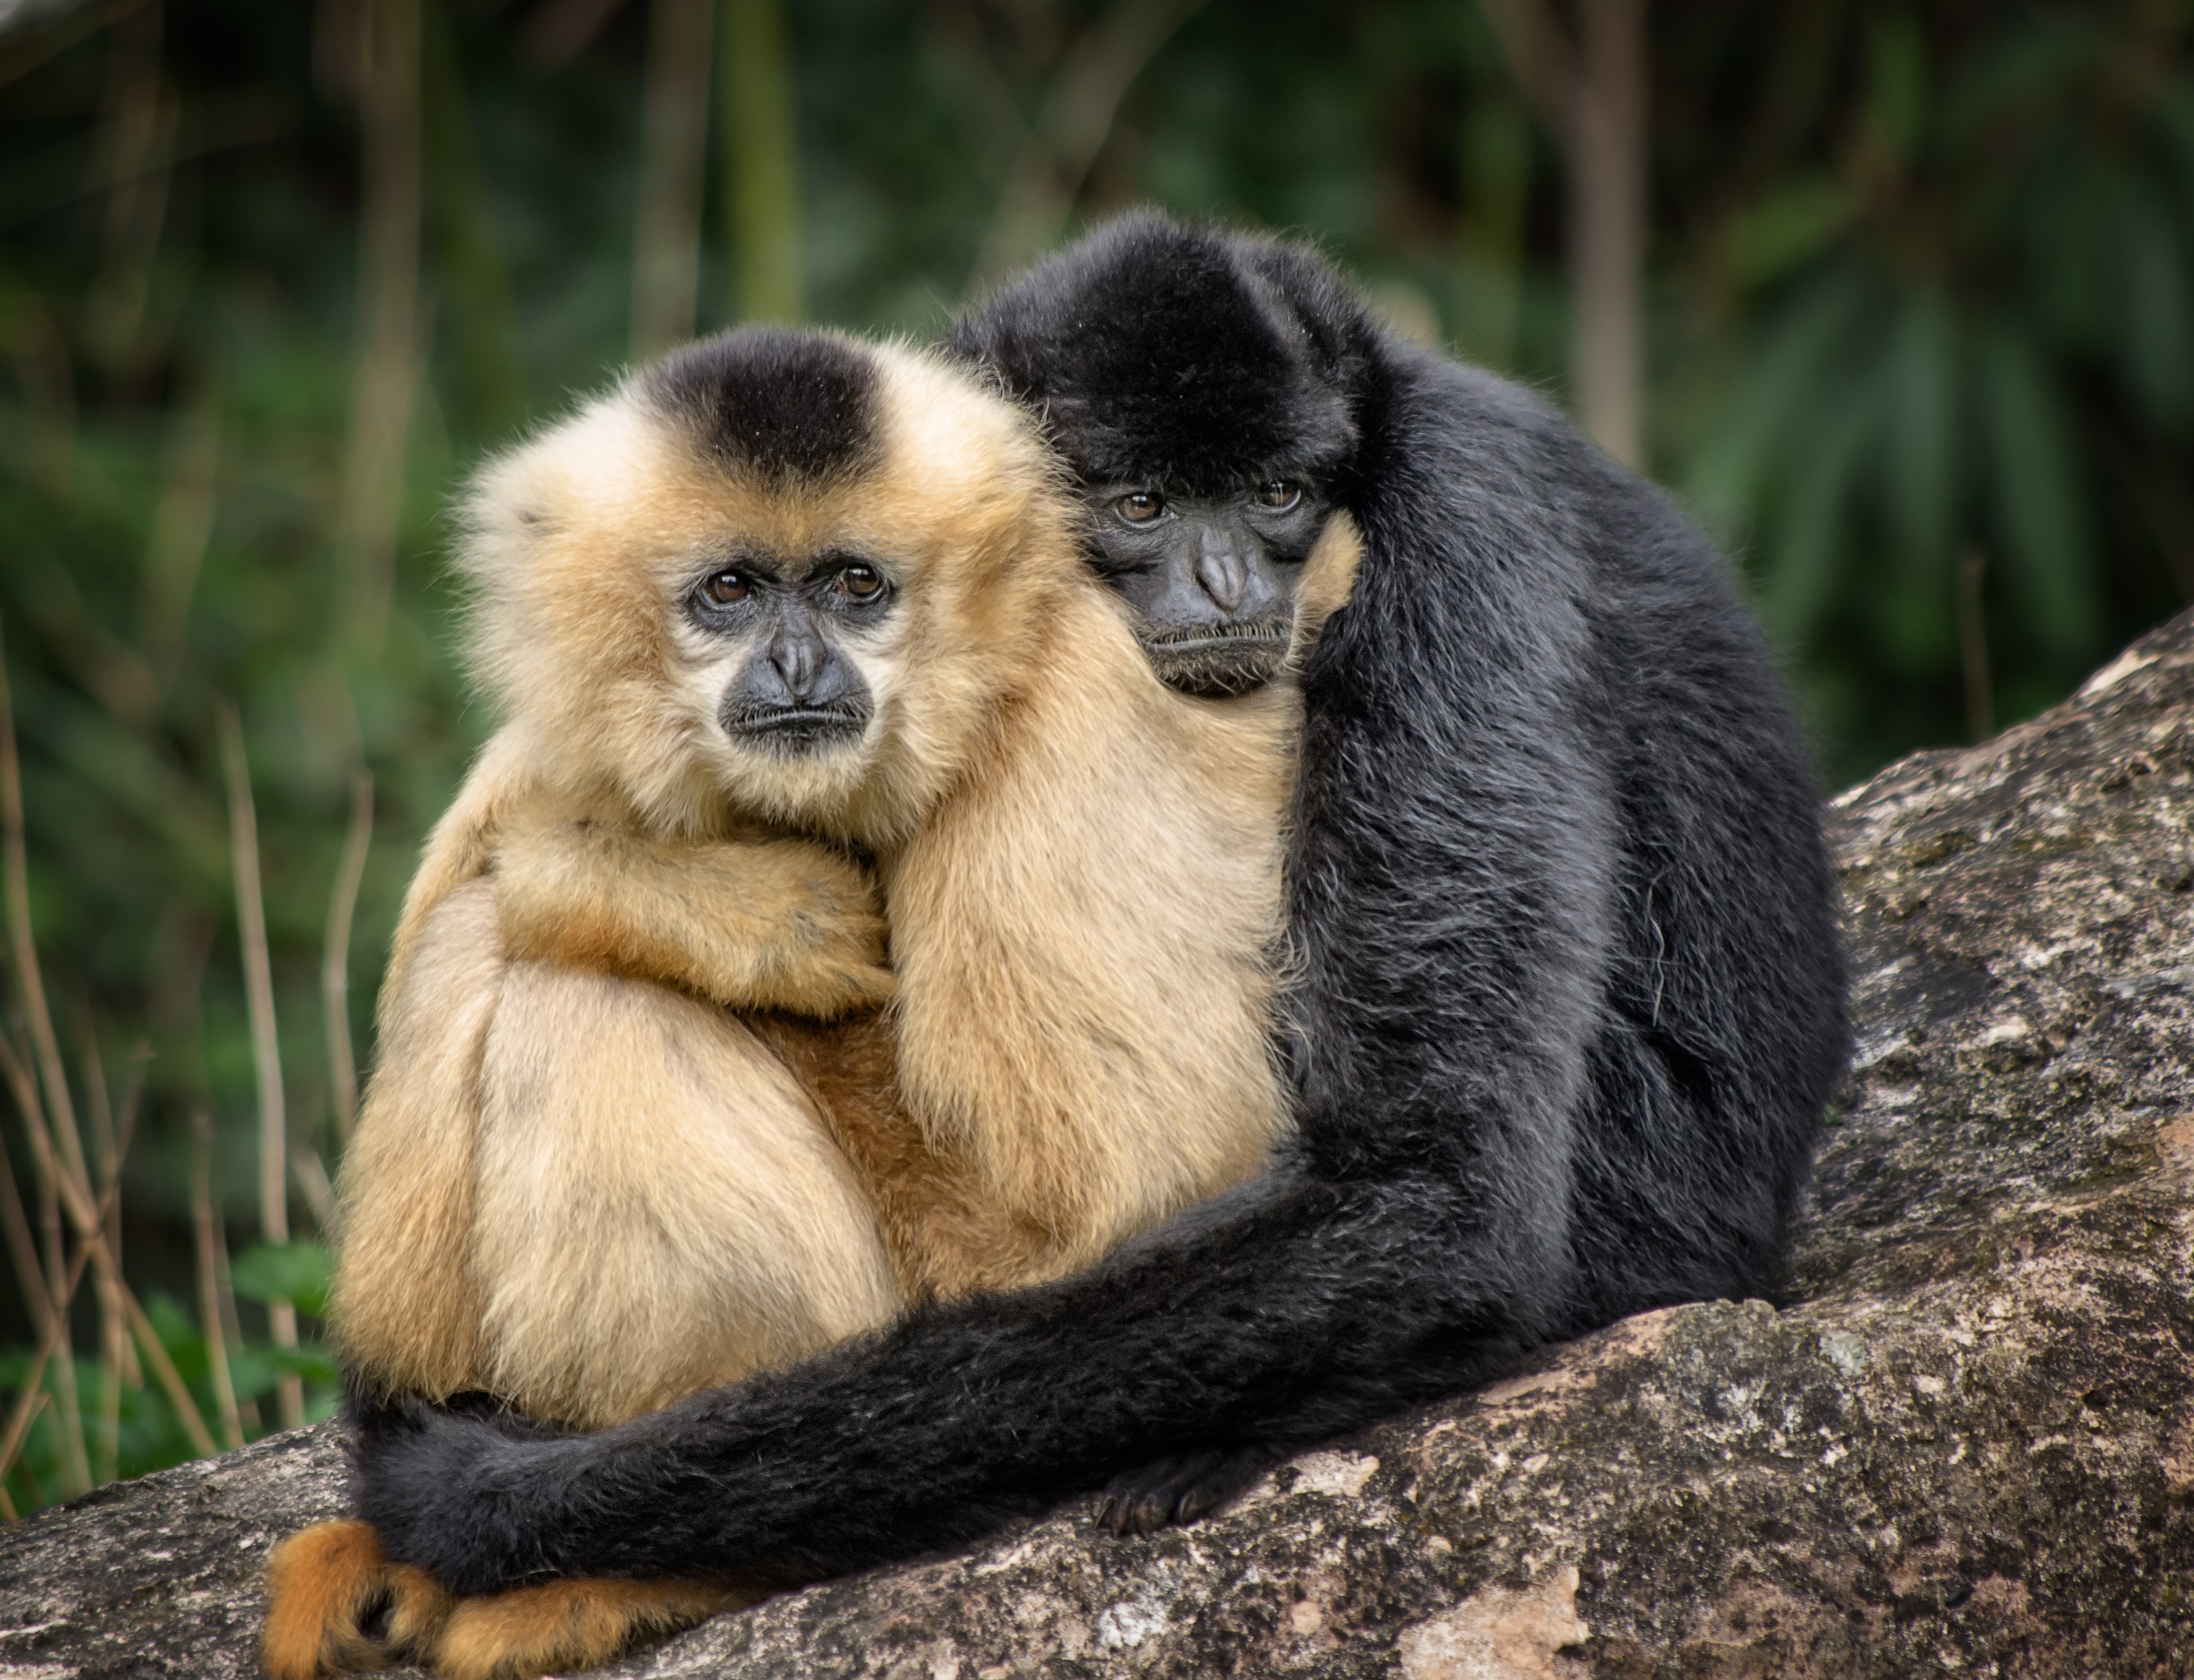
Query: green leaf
[1920, 435]
[297, 1272]
[1787, 228]
[2156, 346]
[1897, 83]
[2039, 506]
[1813, 520]
[1731, 472]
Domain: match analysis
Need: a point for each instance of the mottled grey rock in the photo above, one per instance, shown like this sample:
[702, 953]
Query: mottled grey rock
[1968, 1448]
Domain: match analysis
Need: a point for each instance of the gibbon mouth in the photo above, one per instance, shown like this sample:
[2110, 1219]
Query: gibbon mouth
[1213, 666]
[798, 729]
[1263, 634]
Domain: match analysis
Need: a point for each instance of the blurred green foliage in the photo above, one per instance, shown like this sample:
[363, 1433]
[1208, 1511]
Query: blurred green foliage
[1920, 293]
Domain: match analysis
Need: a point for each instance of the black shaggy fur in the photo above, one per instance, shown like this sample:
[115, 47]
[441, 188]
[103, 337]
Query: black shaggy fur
[781, 404]
[1571, 1004]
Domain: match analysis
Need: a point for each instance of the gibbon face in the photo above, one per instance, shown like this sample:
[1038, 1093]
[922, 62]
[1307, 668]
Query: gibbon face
[1205, 421]
[1211, 580]
[778, 577]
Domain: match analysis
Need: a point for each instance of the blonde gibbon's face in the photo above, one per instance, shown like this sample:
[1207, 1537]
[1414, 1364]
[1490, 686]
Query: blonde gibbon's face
[782, 576]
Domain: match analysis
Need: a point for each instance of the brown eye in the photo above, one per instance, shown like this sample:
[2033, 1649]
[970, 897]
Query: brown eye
[1140, 507]
[861, 582]
[725, 587]
[1280, 493]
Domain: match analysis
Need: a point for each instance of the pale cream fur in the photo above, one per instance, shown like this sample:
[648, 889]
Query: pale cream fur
[581, 1183]
[588, 1192]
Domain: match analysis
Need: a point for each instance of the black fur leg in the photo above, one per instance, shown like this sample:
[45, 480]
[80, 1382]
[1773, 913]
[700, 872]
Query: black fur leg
[1182, 1488]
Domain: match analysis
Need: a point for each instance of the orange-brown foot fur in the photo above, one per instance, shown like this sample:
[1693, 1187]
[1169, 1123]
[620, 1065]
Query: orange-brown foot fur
[567, 1624]
[336, 1605]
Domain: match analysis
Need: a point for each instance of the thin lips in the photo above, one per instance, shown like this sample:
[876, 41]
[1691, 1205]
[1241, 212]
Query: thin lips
[1247, 636]
[800, 718]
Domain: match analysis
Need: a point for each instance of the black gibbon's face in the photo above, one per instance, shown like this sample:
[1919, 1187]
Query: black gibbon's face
[1211, 579]
[790, 636]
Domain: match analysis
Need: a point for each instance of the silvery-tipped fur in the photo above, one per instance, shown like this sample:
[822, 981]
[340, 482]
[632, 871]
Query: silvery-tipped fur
[1570, 1001]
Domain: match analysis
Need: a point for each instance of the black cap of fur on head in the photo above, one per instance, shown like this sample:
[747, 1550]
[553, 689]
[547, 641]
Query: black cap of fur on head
[1178, 355]
[779, 402]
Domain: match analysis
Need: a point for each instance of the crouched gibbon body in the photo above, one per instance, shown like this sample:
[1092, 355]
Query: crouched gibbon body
[782, 602]
[1568, 996]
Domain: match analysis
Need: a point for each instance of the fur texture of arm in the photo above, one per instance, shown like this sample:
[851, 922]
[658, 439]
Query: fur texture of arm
[1570, 1000]
[784, 924]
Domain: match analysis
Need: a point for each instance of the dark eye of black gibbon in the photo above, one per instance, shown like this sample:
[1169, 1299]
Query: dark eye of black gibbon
[725, 588]
[1140, 507]
[1280, 495]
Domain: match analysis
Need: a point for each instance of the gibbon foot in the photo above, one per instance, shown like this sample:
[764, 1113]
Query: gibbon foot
[568, 1624]
[1182, 1489]
[336, 1605]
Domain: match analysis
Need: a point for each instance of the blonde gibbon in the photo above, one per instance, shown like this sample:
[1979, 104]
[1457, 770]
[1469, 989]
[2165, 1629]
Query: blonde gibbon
[793, 639]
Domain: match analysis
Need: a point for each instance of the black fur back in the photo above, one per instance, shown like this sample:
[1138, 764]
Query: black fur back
[1571, 1002]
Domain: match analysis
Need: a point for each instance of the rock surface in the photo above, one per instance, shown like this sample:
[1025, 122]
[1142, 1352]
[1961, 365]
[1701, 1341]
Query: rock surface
[1968, 1447]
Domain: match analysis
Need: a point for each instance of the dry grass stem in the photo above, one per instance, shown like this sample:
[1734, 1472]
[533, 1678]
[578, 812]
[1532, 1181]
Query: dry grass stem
[320, 1189]
[266, 1045]
[31, 988]
[89, 1219]
[211, 1248]
[335, 960]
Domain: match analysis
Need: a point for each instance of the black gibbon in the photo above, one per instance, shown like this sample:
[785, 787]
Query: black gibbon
[784, 602]
[1567, 1001]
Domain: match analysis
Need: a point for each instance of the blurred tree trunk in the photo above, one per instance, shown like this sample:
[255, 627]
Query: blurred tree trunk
[1094, 76]
[1495, 168]
[136, 144]
[1593, 97]
[467, 257]
[382, 67]
[761, 183]
[673, 158]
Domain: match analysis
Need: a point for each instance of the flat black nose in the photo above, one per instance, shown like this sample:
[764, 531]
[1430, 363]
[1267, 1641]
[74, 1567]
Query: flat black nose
[797, 652]
[1222, 570]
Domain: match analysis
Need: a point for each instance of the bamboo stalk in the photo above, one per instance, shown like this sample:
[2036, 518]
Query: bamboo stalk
[666, 261]
[468, 263]
[266, 1045]
[1071, 129]
[761, 187]
[384, 374]
[207, 1232]
[334, 959]
[1592, 98]
[136, 144]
